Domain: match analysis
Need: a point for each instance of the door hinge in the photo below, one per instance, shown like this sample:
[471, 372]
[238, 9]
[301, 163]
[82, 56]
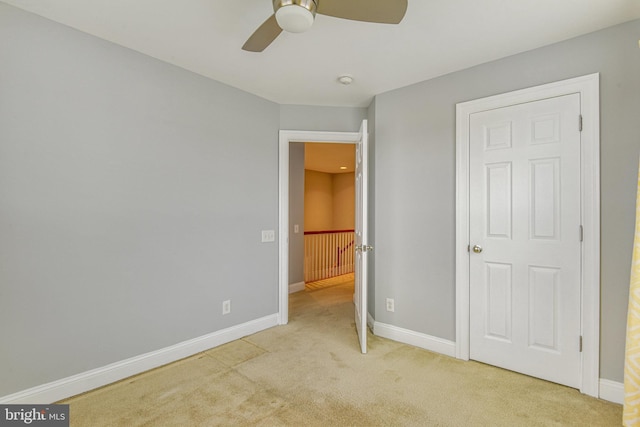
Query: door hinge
[581, 233]
[580, 343]
[580, 123]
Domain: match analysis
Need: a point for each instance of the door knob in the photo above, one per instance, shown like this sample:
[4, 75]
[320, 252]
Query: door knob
[477, 249]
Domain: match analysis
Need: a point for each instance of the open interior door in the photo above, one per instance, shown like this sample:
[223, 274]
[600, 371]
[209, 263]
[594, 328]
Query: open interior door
[361, 248]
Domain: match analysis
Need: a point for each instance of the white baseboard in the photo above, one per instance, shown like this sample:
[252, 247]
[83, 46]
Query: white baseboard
[370, 322]
[296, 287]
[406, 336]
[80, 383]
[612, 391]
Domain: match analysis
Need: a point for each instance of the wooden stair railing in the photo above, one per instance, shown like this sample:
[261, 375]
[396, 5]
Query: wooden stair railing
[328, 254]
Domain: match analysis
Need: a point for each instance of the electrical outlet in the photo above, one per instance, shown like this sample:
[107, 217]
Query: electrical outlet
[268, 236]
[226, 306]
[390, 305]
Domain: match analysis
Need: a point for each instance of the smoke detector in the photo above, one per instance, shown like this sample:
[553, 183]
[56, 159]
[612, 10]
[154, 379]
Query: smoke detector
[345, 79]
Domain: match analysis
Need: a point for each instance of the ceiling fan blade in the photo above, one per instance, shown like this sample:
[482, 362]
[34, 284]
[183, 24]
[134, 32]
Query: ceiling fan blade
[380, 11]
[263, 36]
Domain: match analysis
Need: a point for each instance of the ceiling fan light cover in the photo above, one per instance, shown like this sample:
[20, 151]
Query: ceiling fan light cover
[295, 16]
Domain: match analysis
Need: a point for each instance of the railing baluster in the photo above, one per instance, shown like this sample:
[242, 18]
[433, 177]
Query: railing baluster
[328, 254]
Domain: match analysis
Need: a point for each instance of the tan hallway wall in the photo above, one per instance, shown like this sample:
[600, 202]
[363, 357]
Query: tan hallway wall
[329, 201]
[318, 201]
[344, 195]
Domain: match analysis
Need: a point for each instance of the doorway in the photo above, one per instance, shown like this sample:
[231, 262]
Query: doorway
[361, 241]
[286, 138]
[538, 280]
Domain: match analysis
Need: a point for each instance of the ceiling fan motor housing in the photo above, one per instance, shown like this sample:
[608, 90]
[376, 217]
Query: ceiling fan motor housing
[295, 16]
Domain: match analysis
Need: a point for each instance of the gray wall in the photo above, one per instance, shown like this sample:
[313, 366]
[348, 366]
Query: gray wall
[415, 179]
[296, 212]
[325, 119]
[132, 195]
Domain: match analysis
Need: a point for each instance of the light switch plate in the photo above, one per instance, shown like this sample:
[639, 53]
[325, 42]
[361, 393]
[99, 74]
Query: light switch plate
[268, 236]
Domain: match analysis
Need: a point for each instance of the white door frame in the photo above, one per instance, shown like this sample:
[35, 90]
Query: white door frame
[588, 88]
[287, 137]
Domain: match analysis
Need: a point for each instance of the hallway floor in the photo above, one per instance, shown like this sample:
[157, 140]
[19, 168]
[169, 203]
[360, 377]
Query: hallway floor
[344, 279]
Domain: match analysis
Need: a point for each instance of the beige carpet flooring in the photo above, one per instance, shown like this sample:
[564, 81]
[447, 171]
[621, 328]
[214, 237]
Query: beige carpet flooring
[310, 373]
[343, 279]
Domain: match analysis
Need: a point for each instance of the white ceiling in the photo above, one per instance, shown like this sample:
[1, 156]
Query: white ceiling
[436, 37]
[329, 158]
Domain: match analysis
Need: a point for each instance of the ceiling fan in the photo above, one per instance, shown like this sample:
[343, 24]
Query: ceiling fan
[296, 16]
